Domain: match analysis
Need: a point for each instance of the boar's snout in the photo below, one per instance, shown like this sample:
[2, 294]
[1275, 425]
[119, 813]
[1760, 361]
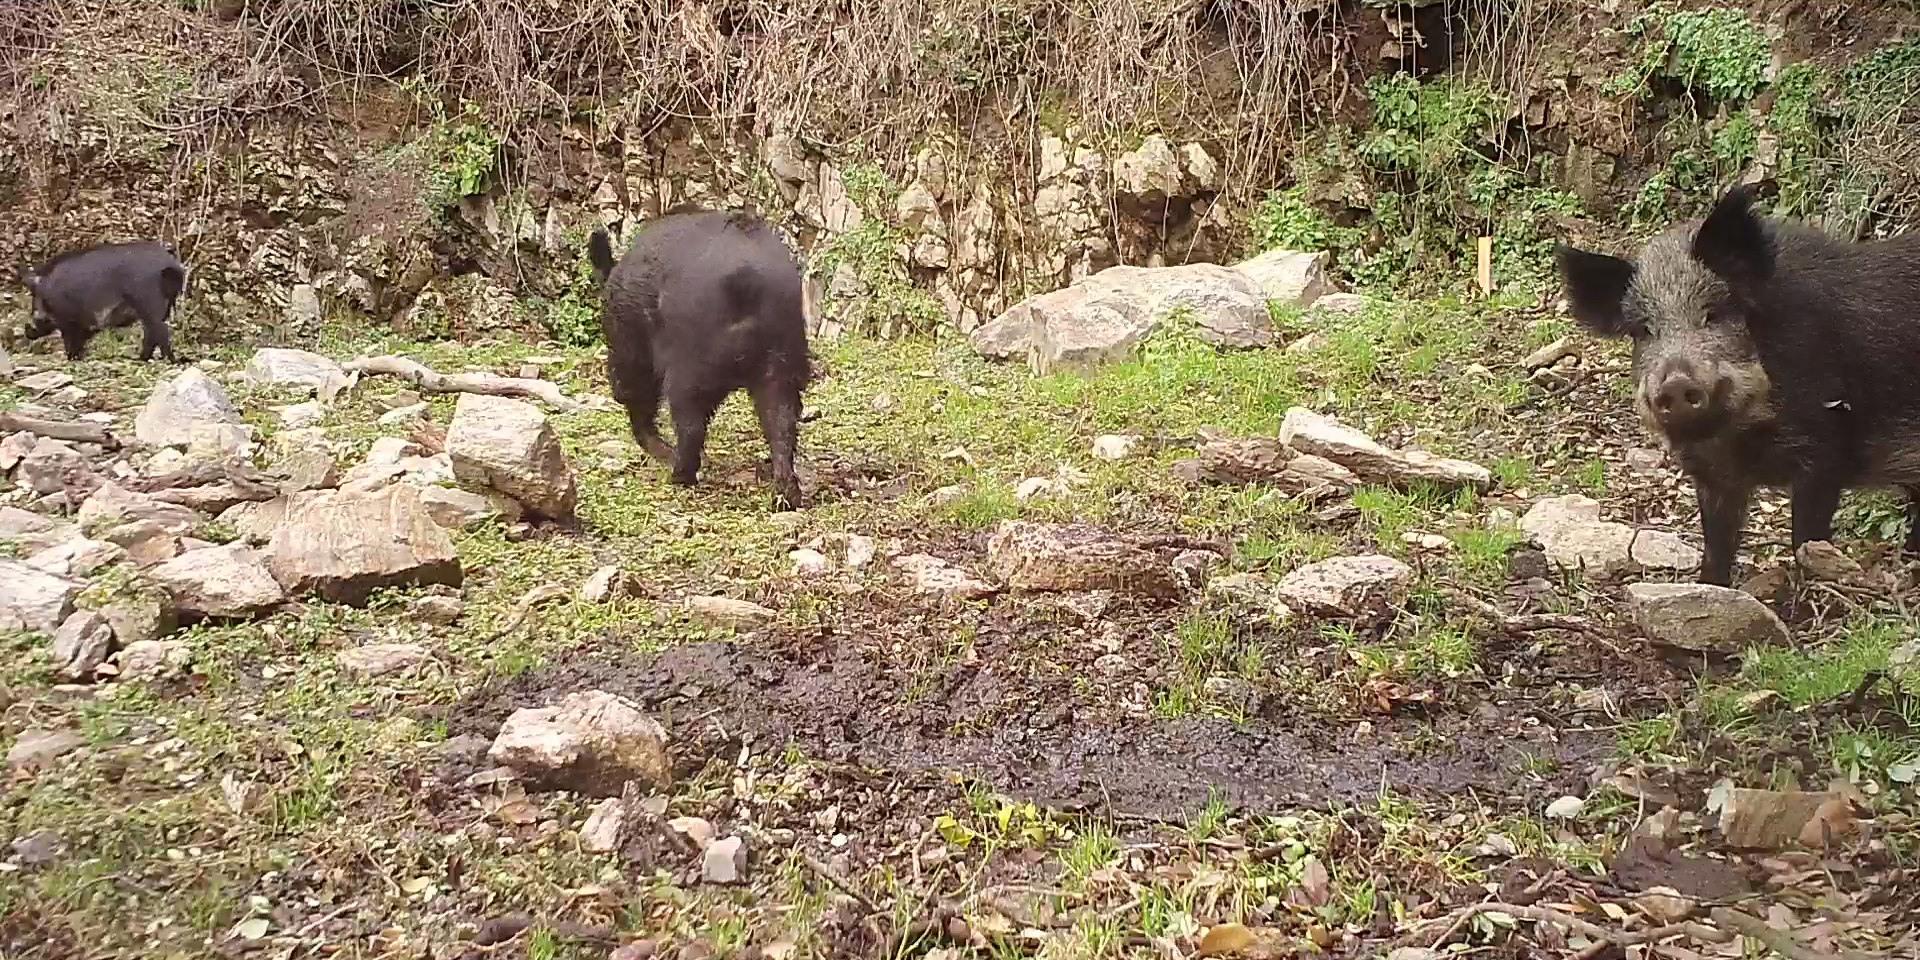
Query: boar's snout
[1684, 399]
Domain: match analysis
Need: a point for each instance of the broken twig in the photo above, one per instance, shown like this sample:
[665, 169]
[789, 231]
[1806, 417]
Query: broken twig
[424, 377]
[826, 873]
[523, 609]
[1524, 624]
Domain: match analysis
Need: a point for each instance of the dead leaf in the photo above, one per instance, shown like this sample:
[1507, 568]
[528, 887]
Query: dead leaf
[1772, 819]
[237, 792]
[1665, 905]
[1225, 940]
[1315, 885]
[1832, 821]
[1320, 935]
[990, 924]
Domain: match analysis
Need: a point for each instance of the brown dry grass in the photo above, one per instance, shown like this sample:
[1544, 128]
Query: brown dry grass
[869, 72]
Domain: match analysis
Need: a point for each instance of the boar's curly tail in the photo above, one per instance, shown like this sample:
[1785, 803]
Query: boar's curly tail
[600, 251]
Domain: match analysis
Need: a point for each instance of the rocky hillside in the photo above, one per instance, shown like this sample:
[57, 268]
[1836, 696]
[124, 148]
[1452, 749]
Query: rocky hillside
[436, 168]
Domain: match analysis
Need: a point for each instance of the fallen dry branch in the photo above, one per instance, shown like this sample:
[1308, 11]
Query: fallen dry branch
[425, 378]
[1728, 925]
[1574, 382]
[524, 608]
[1523, 624]
[839, 883]
[59, 430]
[1782, 942]
[1592, 931]
[202, 472]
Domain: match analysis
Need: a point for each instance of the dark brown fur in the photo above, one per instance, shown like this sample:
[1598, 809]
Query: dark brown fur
[705, 303]
[82, 292]
[1806, 348]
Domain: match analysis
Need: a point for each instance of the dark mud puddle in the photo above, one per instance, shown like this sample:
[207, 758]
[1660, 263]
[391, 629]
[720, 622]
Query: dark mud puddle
[1060, 744]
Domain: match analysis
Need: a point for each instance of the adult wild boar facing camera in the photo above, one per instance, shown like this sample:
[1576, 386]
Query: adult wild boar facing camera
[1766, 353]
[705, 303]
[82, 292]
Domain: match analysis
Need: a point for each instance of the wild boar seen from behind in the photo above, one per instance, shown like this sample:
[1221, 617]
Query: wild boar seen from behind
[1767, 354]
[705, 303]
[83, 292]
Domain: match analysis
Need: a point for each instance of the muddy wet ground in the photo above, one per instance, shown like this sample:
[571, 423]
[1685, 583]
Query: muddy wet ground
[1064, 713]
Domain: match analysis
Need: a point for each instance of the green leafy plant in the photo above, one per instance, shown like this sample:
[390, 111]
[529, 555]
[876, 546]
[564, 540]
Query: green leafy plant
[1284, 220]
[1434, 174]
[572, 317]
[460, 152]
[1717, 52]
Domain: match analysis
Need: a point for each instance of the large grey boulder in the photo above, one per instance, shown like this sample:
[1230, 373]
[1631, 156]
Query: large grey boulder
[507, 445]
[458, 509]
[150, 660]
[1366, 589]
[83, 642]
[1289, 277]
[78, 557]
[281, 366]
[31, 532]
[112, 505]
[54, 465]
[343, 545]
[1103, 317]
[1576, 540]
[177, 406]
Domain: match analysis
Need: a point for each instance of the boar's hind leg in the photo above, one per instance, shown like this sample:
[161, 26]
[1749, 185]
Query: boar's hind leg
[155, 335]
[778, 406]
[1723, 515]
[692, 409]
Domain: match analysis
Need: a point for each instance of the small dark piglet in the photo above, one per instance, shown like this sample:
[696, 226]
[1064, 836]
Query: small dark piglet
[1767, 354]
[705, 303]
[82, 292]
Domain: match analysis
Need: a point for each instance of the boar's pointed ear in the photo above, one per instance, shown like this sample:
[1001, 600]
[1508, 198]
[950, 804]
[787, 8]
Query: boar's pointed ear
[1732, 242]
[1596, 286]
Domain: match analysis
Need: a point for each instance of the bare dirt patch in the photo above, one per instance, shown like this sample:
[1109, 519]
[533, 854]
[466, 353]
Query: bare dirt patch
[1030, 706]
